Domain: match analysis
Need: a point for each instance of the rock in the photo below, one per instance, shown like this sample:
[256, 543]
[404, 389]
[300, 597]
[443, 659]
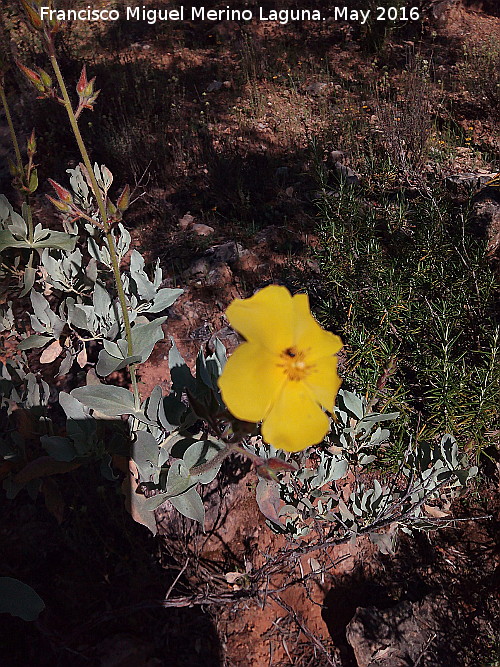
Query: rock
[316, 88]
[202, 230]
[456, 182]
[220, 276]
[388, 637]
[486, 216]
[122, 650]
[214, 86]
[337, 156]
[249, 261]
[199, 268]
[186, 221]
[225, 252]
[346, 174]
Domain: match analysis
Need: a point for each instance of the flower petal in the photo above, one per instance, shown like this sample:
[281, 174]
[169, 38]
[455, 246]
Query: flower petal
[295, 420]
[324, 382]
[250, 382]
[308, 334]
[265, 318]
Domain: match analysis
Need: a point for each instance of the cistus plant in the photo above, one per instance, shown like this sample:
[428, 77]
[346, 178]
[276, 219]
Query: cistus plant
[273, 401]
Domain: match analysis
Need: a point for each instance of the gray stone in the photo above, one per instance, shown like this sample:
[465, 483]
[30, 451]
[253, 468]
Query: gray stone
[456, 182]
[388, 637]
[225, 252]
[346, 174]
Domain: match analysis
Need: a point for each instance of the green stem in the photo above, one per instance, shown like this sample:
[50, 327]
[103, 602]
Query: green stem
[19, 160]
[11, 128]
[102, 211]
[217, 459]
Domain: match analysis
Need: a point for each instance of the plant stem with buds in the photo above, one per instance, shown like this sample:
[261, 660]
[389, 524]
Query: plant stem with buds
[19, 161]
[102, 211]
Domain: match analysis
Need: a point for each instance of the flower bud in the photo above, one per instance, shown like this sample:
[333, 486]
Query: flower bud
[270, 468]
[63, 194]
[61, 206]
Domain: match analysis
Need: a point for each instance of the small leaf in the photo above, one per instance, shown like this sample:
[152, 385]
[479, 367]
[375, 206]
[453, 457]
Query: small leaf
[190, 504]
[19, 599]
[111, 401]
[135, 502]
[353, 404]
[268, 500]
[51, 353]
[60, 449]
[33, 341]
[145, 455]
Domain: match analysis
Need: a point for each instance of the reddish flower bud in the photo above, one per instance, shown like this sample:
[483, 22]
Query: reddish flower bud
[124, 199]
[61, 206]
[269, 468]
[31, 75]
[63, 194]
[31, 145]
[82, 82]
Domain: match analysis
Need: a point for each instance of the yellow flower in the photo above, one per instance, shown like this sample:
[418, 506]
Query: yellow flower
[285, 372]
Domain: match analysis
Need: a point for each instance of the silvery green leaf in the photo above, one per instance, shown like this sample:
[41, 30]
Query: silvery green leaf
[353, 403]
[158, 276]
[140, 513]
[18, 225]
[50, 239]
[345, 513]
[7, 240]
[376, 417]
[55, 274]
[220, 353]
[164, 299]
[153, 403]
[145, 287]
[5, 209]
[380, 435]
[200, 452]
[107, 364]
[73, 408]
[103, 176]
[123, 240]
[101, 301]
[145, 456]
[153, 502]
[111, 401]
[33, 391]
[28, 280]
[66, 363]
[79, 186]
[91, 270]
[19, 599]
[145, 336]
[34, 341]
[82, 317]
[365, 459]
[190, 504]
[170, 412]
[7, 318]
[383, 541]
[61, 449]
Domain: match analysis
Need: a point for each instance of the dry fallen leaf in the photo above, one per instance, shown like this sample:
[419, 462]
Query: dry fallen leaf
[51, 353]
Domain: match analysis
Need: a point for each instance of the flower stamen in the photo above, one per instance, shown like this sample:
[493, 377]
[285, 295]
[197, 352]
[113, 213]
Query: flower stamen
[293, 363]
